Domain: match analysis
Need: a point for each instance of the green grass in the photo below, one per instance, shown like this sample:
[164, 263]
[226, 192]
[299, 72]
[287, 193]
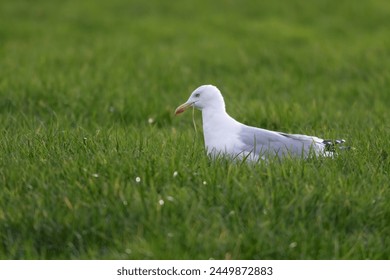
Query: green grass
[79, 82]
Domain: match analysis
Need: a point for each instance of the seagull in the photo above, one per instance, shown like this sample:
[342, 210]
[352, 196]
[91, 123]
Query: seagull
[224, 136]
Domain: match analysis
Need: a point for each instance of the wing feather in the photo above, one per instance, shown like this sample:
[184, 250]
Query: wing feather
[261, 142]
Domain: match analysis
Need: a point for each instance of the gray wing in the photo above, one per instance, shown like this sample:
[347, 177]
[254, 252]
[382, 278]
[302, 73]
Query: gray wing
[262, 142]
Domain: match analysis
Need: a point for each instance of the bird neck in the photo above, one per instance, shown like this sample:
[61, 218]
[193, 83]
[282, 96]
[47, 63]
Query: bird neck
[214, 113]
[215, 119]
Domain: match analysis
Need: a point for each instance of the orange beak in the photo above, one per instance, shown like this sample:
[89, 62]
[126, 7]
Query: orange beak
[182, 108]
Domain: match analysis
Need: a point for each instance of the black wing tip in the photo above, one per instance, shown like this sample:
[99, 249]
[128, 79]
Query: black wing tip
[330, 145]
[334, 142]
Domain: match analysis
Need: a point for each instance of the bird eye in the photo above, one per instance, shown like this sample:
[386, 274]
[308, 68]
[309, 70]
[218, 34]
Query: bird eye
[197, 94]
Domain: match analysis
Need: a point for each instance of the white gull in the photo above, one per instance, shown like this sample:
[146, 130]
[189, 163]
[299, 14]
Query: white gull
[223, 135]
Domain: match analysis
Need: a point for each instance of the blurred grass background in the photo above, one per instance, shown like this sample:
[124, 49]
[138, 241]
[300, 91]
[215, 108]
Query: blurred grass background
[87, 94]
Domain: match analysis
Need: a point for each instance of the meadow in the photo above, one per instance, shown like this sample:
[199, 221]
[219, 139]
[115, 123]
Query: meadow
[94, 164]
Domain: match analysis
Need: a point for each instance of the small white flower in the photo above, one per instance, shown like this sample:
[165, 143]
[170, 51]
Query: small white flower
[175, 173]
[204, 183]
[138, 179]
[95, 175]
[128, 251]
[150, 120]
[161, 202]
[293, 245]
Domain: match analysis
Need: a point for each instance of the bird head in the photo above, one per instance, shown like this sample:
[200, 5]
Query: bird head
[204, 97]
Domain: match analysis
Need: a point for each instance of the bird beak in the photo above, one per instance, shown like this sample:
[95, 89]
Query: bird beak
[182, 108]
